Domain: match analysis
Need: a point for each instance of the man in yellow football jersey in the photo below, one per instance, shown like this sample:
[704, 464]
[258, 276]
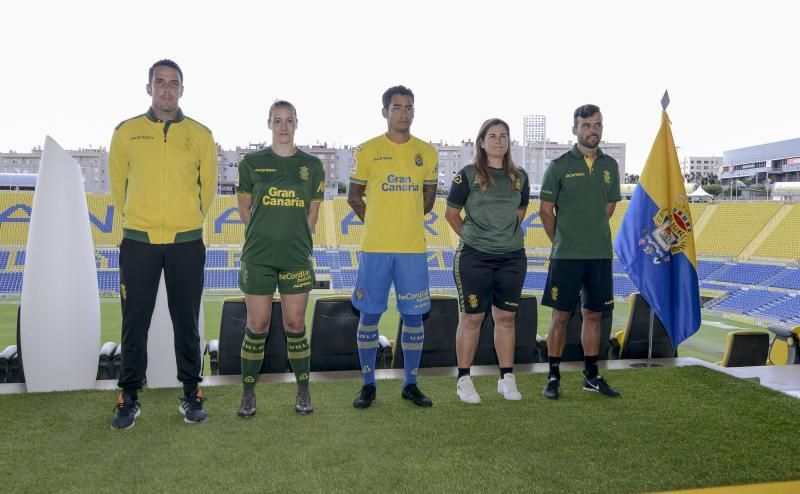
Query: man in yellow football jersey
[398, 174]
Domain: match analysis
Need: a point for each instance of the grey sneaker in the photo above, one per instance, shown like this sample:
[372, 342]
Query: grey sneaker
[302, 404]
[248, 406]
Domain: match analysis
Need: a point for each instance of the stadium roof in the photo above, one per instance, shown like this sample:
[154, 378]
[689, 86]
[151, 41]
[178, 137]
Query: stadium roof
[18, 179]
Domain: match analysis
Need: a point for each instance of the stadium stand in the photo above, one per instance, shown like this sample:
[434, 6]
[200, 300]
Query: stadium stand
[707, 268]
[535, 237]
[786, 309]
[731, 229]
[788, 278]
[745, 273]
[783, 243]
[749, 299]
[438, 233]
[339, 233]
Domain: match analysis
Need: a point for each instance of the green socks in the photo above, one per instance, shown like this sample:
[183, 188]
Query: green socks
[299, 355]
[252, 357]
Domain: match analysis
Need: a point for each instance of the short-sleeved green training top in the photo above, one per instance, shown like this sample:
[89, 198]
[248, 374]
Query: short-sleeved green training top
[581, 195]
[282, 188]
[491, 222]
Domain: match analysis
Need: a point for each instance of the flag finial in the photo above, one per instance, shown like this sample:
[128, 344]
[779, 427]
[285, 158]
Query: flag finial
[665, 100]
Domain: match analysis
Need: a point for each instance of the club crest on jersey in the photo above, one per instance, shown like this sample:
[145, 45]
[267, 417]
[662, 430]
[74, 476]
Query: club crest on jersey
[457, 179]
[360, 294]
[606, 176]
[303, 173]
[518, 184]
[187, 143]
[418, 159]
[554, 293]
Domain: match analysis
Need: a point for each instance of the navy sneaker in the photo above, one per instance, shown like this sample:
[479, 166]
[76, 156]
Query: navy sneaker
[192, 408]
[599, 385]
[550, 390]
[125, 412]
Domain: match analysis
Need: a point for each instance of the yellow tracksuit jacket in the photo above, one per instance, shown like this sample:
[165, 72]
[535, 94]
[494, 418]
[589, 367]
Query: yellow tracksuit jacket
[163, 177]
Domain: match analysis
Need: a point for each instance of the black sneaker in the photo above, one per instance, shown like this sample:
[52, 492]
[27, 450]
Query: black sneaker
[550, 390]
[412, 392]
[599, 385]
[125, 412]
[302, 403]
[248, 406]
[365, 397]
[192, 408]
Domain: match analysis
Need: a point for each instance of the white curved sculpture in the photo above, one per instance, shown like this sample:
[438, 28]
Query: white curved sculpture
[162, 370]
[60, 306]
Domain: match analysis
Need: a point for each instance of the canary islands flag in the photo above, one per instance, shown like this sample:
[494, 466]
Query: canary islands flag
[656, 243]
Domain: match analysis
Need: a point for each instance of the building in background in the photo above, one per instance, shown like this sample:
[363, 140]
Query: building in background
[534, 129]
[93, 163]
[762, 164]
[701, 166]
[533, 157]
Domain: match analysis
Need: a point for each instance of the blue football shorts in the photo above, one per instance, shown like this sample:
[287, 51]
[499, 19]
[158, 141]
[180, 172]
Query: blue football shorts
[376, 273]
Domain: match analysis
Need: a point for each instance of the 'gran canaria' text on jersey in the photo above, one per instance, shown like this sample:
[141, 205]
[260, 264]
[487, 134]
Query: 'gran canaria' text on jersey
[395, 183]
[282, 197]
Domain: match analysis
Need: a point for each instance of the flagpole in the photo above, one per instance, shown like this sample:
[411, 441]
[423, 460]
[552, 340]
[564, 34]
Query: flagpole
[650, 339]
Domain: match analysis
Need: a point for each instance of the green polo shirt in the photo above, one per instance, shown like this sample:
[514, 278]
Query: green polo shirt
[581, 195]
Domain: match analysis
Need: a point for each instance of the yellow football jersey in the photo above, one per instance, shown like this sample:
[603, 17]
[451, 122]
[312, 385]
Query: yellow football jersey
[394, 175]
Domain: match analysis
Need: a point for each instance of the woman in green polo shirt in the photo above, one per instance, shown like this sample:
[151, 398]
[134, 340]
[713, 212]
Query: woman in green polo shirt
[490, 262]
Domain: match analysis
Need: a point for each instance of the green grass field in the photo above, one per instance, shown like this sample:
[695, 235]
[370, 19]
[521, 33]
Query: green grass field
[673, 428]
[707, 344]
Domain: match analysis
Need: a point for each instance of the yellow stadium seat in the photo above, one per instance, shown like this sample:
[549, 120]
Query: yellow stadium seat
[782, 242]
[734, 225]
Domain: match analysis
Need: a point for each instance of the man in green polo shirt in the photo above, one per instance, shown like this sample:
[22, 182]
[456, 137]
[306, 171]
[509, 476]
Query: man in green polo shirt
[580, 190]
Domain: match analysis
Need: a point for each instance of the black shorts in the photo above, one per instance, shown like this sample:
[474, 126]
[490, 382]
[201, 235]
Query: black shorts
[589, 279]
[484, 279]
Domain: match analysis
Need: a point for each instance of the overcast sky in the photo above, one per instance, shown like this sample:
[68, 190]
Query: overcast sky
[74, 70]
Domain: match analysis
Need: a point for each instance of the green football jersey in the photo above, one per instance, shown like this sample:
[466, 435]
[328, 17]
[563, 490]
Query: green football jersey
[283, 189]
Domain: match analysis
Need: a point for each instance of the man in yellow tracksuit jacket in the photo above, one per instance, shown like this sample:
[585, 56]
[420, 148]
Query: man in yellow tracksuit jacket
[163, 170]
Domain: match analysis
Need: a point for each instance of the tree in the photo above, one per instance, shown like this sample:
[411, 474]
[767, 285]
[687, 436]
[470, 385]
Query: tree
[713, 189]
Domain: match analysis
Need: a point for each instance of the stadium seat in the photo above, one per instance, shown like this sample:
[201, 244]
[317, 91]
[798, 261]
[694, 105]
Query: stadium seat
[527, 348]
[745, 348]
[785, 348]
[441, 323]
[213, 356]
[633, 341]
[15, 368]
[333, 334]
[6, 356]
[106, 360]
[116, 363]
[573, 348]
[231, 334]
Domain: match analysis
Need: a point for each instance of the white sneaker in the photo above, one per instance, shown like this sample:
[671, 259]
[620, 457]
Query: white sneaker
[466, 391]
[507, 387]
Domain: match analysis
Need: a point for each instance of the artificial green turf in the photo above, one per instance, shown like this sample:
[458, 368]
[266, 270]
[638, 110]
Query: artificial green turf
[672, 428]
